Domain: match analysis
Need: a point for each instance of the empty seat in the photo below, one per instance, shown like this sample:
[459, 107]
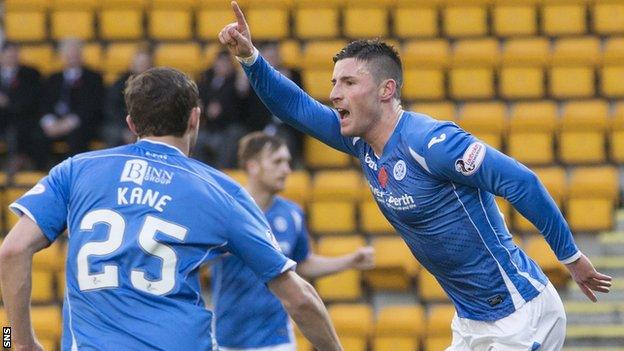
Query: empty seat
[314, 22]
[374, 25]
[416, 20]
[399, 328]
[554, 179]
[429, 290]
[318, 54]
[476, 52]
[211, 19]
[346, 285]
[93, 56]
[38, 5]
[51, 258]
[170, 23]
[616, 144]
[25, 25]
[593, 195]
[486, 121]
[612, 73]
[318, 82]
[531, 132]
[444, 110]
[439, 319]
[395, 266]
[434, 343]
[607, 17]
[318, 155]
[515, 18]
[338, 185]
[538, 249]
[576, 51]
[521, 82]
[467, 83]
[465, 18]
[429, 53]
[372, 221]
[571, 82]
[268, 23]
[76, 4]
[290, 52]
[121, 23]
[42, 286]
[423, 83]
[118, 57]
[298, 187]
[564, 17]
[41, 57]
[327, 217]
[354, 324]
[75, 23]
[183, 56]
[583, 131]
[27, 178]
[602, 182]
[534, 51]
[46, 321]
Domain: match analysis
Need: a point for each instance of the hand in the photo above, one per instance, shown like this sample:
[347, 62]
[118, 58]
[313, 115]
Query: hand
[236, 35]
[364, 258]
[587, 278]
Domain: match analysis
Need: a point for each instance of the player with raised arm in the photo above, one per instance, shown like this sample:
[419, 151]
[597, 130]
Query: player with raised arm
[436, 184]
[141, 219]
[247, 315]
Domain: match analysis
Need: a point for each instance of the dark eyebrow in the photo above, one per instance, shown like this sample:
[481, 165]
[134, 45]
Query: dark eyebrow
[342, 79]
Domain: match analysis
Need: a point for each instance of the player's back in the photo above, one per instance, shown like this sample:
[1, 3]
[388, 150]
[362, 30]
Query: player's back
[142, 219]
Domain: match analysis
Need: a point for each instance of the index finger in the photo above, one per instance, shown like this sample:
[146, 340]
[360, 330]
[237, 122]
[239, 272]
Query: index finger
[240, 17]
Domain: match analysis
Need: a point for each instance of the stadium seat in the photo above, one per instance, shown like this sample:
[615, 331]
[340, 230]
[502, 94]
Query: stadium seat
[118, 57]
[346, 285]
[521, 82]
[316, 22]
[211, 19]
[442, 110]
[93, 56]
[354, 324]
[328, 217]
[25, 25]
[601, 181]
[76, 4]
[554, 179]
[209, 55]
[169, 22]
[526, 52]
[337, 185]
[439, 319]
[375, 25]
[75, 23]
[467, 83]
[41, 57]
[576, 51]
[395, 266]
[39, 5]
[429, 290]
[298, 187]
[318, 54]
[42, 286]
[476, 52]
[607, 17]
[290, 52]
[268, 23]
[514, 18]
[612, 72]
[422, 83]
[10, 195]
[531, 132]
[538, 249]
[27, 178]
[486, 121]
[583, 131]
[465, 18]
[51, 258]
[318, 82]
[399, 328]
[436, 343]
[46, 321]
[121, 23]
[372, 221]
[616, 145]
[318, 155]
[416, 20]
[426, 53]
[593, 195]
[571, 82]
[183, 56]
[564, 17]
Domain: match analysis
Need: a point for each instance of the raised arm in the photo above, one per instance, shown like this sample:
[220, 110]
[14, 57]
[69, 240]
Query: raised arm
[282, 96]
[316, 266]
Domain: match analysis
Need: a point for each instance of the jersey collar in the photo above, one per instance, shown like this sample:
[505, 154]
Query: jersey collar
[160, 147]
[394, 138]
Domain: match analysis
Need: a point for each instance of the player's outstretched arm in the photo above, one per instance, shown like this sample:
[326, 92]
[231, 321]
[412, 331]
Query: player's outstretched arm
[306, 309]
[16, 255]
[316, 266]
[281, 96]
[587, 278]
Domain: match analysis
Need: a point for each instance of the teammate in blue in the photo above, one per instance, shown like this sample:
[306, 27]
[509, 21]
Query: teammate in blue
[141, 219]
[248, 316]
[436, 184]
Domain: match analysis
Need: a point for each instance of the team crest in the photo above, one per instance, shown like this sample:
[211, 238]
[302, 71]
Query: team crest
[280, 224]
[400, 170]
[471, 160]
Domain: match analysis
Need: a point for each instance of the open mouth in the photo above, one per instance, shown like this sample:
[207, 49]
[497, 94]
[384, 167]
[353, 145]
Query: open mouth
[343, 113]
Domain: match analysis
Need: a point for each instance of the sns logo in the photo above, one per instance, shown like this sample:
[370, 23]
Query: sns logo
[137, 171]
[471, 160]
[369, 161]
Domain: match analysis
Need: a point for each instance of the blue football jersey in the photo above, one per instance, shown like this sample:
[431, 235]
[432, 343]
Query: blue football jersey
[141, 219]
[247, 313]
[436, 183]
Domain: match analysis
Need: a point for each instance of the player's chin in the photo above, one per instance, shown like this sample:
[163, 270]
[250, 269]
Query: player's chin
[347, 130]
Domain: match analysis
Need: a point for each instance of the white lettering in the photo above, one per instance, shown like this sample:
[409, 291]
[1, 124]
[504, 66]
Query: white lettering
[135, 195]
[162, 203]
[148, 197]
[121, 196]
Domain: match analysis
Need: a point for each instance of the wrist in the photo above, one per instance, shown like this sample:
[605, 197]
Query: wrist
[249, 60]
[572, 259]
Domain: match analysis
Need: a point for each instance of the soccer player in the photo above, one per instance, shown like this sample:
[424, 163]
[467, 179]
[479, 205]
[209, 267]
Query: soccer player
[141, 219]
[436, 184]
[248, 316]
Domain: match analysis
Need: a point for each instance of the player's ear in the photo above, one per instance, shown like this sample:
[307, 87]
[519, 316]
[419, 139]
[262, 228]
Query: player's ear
[194, 119]
[131, 125]
[387, 89]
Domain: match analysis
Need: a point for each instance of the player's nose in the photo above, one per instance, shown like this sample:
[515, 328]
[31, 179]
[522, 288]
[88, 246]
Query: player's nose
[335, 95]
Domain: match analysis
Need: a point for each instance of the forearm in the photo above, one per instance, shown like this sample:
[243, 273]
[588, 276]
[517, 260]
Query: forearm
[316, 266]
[16, 280]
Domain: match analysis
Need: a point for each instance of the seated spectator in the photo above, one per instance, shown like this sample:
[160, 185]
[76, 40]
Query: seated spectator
[73, 101]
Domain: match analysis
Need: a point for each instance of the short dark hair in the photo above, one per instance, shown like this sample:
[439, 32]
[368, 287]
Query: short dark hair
[385, 60]
[160, 101]
[251, 145]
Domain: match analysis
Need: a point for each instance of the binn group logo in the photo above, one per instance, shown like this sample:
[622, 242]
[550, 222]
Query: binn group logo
[138, 171]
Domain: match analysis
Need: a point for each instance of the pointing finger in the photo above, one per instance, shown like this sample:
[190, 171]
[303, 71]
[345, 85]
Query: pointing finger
[240, 17]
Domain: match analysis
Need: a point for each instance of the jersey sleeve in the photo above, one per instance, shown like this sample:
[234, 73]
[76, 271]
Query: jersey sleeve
[249, 237]
[302, 245]
[47, 202]
[294, 106]
[453, 154]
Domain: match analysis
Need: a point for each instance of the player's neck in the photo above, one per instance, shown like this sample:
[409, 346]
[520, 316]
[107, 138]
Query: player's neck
[181, 144]
[379, 134]
[261, 195]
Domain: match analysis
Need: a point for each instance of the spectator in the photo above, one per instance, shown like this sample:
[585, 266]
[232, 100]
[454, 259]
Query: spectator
[20, 94]
[116, 131]
[73, 101]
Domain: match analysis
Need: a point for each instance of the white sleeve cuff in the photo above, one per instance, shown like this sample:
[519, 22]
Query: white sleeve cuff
[20, 210]
[572, 258]
[249, 60]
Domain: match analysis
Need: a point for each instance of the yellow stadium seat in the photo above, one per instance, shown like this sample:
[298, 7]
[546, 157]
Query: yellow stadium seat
[318, 54]
[354, 324]
[486, 121]
[42, 286]
[599, 181]
[443, 110]
[616, 144]
[607, 17]
[590, 214]
[337, 185]
[571, 81]
[612, 81]
[531, 132]
[76, 4]
[25, 25]
[583, 131]
[534, 51]
[318, 82]
[521, 82]
[72, 23]
[183, 56]
[346, 285]
[124, 3]
[10, 195]
[437, 343]
[439, 320]
[27, 178]
[298, 187]
[429, 290]
[328, 217]
[93, 56]
[476, 52]
[372, 221]
[40, 56]
[210, 21]
[51, 258]
[169, 23]
[40, 5]
[268, 23]
[318, 155]
[418, 20]
[46, 321]
[375, 25]
[399, 328]
[564, 18]
[395, 266]
[471, 83]
[593, 195]
[121, 23]
[515, 18]
[290, 52]
[423, 83]
[3, 179]
[314, 22]
[118, 57]
[49, 343]
[576, 51]
[465, 18]
[429, 53]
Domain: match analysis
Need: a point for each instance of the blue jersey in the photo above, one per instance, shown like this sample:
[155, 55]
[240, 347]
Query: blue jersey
[141, 219]
[436, 183]
[247, 313]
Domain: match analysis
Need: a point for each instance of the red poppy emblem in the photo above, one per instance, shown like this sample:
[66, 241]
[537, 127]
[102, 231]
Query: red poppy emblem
[383, 177]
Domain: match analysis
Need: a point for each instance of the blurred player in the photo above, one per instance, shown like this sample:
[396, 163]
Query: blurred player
[141, 219]
[248, 316]
[436, 184]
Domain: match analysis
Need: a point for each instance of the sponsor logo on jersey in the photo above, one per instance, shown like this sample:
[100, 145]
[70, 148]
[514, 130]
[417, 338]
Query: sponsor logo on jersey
[471, 160]
[400, 203]
[400, 170]
[382, 176]
[36, 190]
[369, 161]
[436, 140]
[138, 171]
[280, 224]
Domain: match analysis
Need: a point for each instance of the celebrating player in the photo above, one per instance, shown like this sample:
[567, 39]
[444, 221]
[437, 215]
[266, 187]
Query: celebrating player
[248, 316]
[141, 219]
[436, 184]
